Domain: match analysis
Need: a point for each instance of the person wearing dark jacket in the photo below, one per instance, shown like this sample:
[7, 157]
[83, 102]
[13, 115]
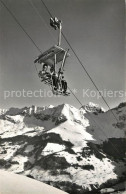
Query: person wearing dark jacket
[64, 84]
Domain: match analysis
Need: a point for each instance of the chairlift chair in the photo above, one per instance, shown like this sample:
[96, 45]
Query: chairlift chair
[55, 55]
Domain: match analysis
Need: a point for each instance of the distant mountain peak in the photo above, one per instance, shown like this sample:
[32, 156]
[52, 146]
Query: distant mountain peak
[121, 105]
[3, 111]
[93, 108]
[25, 110]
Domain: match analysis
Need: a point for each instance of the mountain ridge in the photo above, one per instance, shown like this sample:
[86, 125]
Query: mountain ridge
[69, 148]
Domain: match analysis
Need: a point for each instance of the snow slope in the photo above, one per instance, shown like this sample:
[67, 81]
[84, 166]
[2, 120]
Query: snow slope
[11, 183]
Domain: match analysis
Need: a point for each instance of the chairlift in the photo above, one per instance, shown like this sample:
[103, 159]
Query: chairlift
[51, 60]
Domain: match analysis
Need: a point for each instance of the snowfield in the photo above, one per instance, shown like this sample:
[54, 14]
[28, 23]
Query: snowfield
[11, 183]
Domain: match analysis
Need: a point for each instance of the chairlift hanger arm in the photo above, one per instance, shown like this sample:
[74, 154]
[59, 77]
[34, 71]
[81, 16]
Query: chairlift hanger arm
[57, 24]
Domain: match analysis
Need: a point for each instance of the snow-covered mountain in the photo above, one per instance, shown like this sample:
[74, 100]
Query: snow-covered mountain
[94, 108]
[3, 111]
[78, 151]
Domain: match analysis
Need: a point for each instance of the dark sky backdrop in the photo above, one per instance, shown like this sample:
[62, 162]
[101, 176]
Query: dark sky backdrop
[95, 29]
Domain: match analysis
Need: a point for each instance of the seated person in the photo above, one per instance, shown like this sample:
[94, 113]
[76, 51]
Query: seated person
[55, 81]
[44, 74]
[51, 70]
[60, 74]
[64, 85]
[44, 68]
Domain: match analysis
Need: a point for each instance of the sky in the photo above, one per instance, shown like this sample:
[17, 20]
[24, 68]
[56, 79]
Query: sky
[95, 30]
